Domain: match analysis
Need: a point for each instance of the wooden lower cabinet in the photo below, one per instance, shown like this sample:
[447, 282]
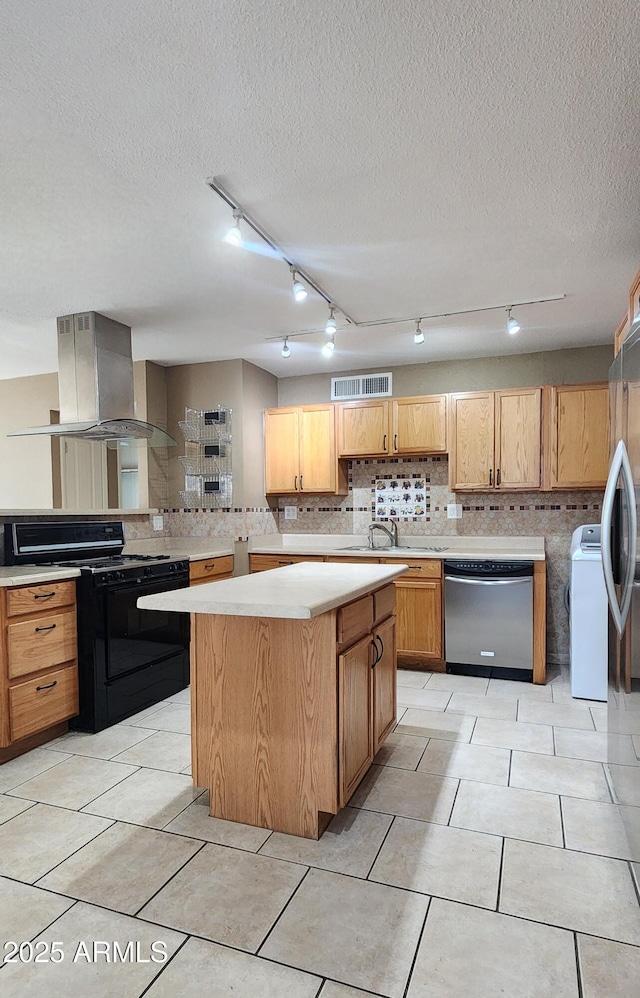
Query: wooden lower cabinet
[38, 664]
[265, 562]
[355, 727]
[288, 714]
[210, 570]
[384, 682]
[420, 621]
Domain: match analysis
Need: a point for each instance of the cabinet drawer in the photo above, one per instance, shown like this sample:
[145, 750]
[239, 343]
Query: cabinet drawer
[28, 599]
[384, 602]
[41, 642]
[210, 569]
[355, 619]
[265, 562]
[41, 703]
[418, 568]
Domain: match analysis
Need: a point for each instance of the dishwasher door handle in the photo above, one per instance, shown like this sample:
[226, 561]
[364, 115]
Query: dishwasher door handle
[525, 579]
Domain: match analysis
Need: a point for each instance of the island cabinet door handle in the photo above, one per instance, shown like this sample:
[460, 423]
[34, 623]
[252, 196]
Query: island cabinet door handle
[378, 638]
[51, 627]
[377, 657]
[43, 595]
[49, 687]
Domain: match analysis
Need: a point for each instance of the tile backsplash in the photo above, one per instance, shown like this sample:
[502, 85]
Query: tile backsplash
[554, 515]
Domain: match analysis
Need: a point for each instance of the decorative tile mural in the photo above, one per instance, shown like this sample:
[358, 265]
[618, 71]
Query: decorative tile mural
[404, 496]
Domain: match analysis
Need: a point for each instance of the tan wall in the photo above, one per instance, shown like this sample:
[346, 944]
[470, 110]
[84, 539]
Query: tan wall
[25, 462]
[546, 368]
[260, 392]
[204, 386]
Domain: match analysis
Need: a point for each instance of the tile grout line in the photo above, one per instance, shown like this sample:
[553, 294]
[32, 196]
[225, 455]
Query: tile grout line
[375, 859]
[415, 955]
[578, 970]
[165, 965]
[173, 875]
[564, 837]
[35, 883]
[282, 911]
[500, 874]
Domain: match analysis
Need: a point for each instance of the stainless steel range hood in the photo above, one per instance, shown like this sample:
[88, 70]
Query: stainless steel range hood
[95, 376]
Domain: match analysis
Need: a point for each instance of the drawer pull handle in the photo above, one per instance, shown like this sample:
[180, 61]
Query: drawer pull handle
[49, 628]
[43, 595]
[209, 567]
[49, 687]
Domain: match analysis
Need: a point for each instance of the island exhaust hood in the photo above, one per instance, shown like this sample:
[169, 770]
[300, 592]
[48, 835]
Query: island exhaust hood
[95, 377]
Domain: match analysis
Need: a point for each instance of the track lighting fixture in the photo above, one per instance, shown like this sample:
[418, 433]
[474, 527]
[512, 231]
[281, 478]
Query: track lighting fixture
[513, 326]
[418, 336]
[329, 347]
[331, 325]
[286, 349]
[299, 290]
[234, 235]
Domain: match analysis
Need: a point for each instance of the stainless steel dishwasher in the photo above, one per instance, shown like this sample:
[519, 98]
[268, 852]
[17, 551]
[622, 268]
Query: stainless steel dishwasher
[488, 613]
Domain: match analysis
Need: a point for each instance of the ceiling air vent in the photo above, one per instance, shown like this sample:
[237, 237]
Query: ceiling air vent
[361, 386]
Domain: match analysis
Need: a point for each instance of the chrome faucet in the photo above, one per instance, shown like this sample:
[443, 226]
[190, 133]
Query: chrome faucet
[391, 534]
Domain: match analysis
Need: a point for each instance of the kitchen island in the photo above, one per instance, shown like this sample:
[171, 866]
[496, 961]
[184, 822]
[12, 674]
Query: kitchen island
[293, 688]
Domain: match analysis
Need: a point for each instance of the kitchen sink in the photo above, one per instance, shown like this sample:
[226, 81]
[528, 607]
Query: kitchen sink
[394, 547]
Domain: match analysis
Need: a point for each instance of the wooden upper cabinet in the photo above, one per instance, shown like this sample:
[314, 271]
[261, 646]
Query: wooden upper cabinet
[363, 428]
[634, 299]
[495, 440]
[577, 448]
[300, 451]
[317, 448]
[620, 334]
[471, 440]
[419, 425]
[281, 450]
[518, 438]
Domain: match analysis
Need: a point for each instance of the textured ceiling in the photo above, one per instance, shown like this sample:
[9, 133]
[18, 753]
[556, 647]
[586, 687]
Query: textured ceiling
[414, 156]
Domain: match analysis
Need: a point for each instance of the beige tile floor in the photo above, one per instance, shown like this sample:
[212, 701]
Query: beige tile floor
[481, 856]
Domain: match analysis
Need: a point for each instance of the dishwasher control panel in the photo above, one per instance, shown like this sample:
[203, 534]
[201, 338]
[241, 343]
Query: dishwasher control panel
[505, 569]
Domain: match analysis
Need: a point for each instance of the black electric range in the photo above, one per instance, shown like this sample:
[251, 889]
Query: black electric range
[128, 658]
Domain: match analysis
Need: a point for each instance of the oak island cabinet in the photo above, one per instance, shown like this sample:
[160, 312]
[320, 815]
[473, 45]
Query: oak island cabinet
[293, 686]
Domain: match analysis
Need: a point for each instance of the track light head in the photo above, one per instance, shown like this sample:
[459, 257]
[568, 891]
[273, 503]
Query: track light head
[286, 349]
[329, 347]
[299, 290]
[513, 326]
[234, 235]
[418, 336]
[331, 325]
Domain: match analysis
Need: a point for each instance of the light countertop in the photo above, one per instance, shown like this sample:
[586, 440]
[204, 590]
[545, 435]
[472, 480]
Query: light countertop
[298, 591]
[33, 575]
[186, 548]
[456, 546]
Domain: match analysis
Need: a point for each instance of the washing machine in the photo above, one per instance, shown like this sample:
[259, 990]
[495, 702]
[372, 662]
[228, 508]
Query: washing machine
[588, 616]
